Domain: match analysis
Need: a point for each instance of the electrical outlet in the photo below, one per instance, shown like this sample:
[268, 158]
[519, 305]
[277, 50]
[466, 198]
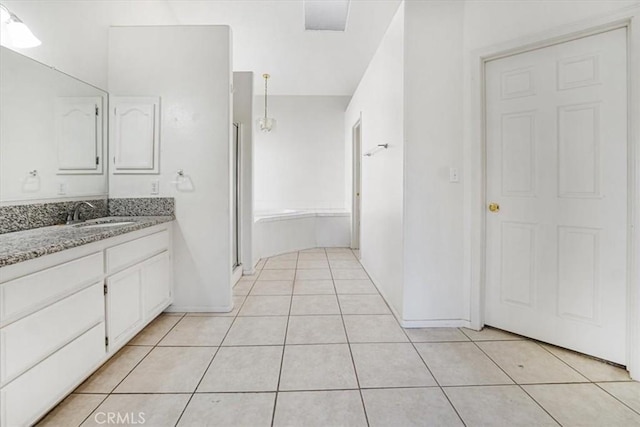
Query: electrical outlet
[454, 176]
[155, 187]
[62, 188]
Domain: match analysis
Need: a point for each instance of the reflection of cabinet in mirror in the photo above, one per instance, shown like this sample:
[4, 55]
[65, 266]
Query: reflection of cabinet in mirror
[135, 135]
[50, 136]
[79, 135]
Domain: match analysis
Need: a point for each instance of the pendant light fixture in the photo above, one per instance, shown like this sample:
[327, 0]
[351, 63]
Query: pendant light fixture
[266, 123]
[20, 35]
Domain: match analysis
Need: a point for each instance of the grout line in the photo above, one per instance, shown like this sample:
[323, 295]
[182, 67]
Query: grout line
[395, 387]
[308, 295]
[583, 375]
[561, 360]
[517, 384]
[464, 333]
[353, 362]
[215, 353]
[305, 390]
[352, 342]
[180, 317]
[614, 396]
[284, 315]
[151, 393]
[148, 353]
[286, 332]
[105, 396]
[424, 362]
[308, 344]
[418, 353]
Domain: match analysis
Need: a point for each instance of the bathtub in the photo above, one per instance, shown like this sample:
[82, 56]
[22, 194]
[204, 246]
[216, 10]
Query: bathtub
[277, 215]
[288, 230]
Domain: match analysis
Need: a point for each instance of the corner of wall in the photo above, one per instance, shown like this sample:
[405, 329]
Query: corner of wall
[432, 205]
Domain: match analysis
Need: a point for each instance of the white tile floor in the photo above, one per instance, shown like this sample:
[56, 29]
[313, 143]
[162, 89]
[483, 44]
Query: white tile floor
[312, 343]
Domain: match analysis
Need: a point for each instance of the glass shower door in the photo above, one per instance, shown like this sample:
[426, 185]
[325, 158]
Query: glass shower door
[235, 197]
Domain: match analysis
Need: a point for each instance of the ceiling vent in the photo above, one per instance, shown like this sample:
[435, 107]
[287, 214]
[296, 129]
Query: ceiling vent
[326, 15]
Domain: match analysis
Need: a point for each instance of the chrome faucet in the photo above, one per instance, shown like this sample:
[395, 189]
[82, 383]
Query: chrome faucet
[73, 216]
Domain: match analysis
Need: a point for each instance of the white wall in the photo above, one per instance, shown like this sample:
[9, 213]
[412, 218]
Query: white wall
[243, 116]
[489, 22]
[74, 34]
[433, 143]
[190, 69]
[300, 164]
[379, 99]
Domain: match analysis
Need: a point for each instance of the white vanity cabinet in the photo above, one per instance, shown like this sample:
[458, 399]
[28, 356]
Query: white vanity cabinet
[63, 315]
[140, 290]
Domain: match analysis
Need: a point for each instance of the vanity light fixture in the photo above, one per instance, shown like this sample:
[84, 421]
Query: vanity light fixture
[20, 35]
[266, 123]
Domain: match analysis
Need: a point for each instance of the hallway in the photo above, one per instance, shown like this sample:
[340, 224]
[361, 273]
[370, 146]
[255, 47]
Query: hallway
[312, 342]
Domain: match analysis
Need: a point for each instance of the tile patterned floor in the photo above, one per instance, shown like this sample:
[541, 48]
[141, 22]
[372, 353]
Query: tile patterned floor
[311, 342]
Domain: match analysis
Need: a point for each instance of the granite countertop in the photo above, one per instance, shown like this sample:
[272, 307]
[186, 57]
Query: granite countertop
[25, 245]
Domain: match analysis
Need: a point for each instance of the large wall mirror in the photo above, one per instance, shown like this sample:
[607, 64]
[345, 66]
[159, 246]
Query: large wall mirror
[53, 133]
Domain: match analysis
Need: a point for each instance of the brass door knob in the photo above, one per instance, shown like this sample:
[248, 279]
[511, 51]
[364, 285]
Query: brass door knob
[494, 207]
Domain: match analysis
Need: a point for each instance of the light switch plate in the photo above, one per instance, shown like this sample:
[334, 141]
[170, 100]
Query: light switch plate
[454, 176]
[62, 188]
[155, 187]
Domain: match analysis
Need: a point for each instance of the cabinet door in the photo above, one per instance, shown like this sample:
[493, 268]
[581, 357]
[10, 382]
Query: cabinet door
[124, 305]
[156, 284]
[135, 135]
[78, 123]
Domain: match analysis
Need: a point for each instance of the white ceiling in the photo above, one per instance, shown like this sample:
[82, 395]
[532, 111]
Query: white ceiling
[269, 37]
[323, 15]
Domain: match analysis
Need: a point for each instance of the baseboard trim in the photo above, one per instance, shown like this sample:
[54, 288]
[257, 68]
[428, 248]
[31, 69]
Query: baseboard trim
[382, 294]
[386, 300]
[199, 308]
[440, 323]
[437, 323]
[236, 274]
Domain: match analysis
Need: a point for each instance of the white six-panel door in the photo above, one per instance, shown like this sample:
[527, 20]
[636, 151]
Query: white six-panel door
[556, 134]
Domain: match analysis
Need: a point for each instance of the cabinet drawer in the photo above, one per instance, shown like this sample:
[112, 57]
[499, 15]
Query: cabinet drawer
[29, 340]
[130, 253]
[29, 293]
[29, 396]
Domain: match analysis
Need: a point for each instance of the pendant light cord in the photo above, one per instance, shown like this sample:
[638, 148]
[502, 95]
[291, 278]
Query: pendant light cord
[266, 77]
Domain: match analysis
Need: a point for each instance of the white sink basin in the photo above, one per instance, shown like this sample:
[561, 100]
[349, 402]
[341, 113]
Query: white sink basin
[104, 224]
